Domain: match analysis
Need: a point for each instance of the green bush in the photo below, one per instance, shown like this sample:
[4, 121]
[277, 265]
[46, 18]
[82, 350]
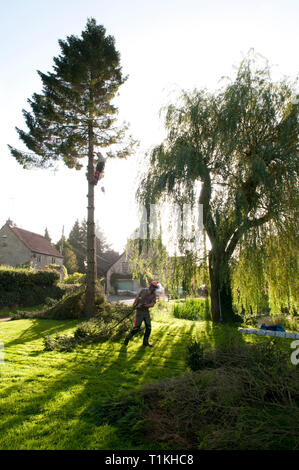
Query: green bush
[27, 287]
[193, 309]
[75, 278]
[61, 342]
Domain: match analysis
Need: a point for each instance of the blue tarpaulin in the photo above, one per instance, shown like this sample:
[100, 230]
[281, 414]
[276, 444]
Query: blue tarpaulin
[272, 327]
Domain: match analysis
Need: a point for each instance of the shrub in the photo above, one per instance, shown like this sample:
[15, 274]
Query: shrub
[75, 278]
[193, 309]
[68, 288]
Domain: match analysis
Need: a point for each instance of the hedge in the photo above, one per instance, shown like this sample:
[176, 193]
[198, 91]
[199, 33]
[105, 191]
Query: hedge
[27, 287]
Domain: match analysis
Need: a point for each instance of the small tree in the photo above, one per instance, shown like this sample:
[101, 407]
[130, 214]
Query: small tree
[78, 241]
[69, 256]
[74, 116]
[47, 236]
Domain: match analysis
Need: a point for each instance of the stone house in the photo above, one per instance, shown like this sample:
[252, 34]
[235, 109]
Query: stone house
[18, 247]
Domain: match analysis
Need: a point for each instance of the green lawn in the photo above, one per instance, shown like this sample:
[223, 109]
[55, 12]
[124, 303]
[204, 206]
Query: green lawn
[47, 398]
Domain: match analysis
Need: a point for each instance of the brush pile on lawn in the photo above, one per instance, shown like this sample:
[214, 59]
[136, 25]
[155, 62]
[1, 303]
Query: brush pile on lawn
[240, 397]
[95, 329]
[98, 328]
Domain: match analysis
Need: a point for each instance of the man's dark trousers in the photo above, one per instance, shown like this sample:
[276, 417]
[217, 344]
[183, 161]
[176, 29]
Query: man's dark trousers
[141, 315]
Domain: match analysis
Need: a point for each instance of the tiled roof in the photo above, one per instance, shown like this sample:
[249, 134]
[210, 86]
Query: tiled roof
[36, 243]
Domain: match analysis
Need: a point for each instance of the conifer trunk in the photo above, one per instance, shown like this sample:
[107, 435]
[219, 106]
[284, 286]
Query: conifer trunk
[91, 275]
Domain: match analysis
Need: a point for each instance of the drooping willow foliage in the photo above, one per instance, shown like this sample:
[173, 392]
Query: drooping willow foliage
[248, 280]
[148, 259]
[265, 273]
[281, 270]
[185, 273]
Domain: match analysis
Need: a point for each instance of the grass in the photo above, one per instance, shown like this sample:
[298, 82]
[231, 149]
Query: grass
[193, 309]
[49, 399]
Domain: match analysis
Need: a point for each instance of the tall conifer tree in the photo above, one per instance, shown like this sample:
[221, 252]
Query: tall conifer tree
[74, 116]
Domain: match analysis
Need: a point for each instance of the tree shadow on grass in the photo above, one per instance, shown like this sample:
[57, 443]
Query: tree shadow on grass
[221, 335]
[38, 328]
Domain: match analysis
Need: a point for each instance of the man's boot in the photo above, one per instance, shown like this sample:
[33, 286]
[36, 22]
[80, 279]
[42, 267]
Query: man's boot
[146, 343]
[126, 341]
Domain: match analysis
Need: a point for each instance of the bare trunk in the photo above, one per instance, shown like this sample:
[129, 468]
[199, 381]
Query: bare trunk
[91, 274]
[221, 295]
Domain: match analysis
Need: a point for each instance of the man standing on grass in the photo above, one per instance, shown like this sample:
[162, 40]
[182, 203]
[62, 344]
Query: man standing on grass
[145, 300]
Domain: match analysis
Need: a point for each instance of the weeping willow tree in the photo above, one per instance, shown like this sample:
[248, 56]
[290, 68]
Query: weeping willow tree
[239, 146]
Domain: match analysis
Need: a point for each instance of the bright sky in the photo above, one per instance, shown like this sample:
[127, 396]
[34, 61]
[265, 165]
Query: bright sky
[165, 45]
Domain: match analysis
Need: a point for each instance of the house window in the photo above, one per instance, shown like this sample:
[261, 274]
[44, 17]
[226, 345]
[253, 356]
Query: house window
[53, 260]
[125, 267]
[38, 258]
